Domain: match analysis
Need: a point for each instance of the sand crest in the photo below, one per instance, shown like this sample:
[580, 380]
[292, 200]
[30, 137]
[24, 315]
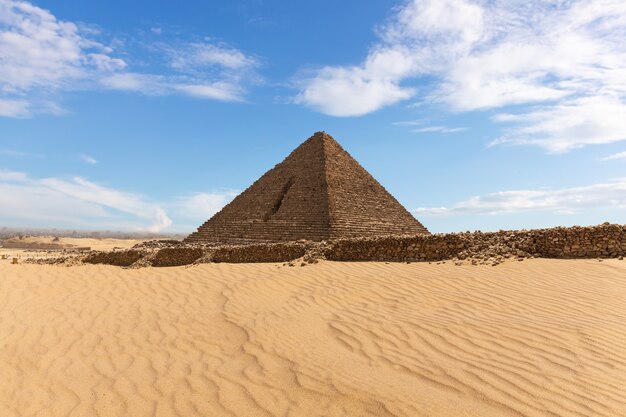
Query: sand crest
[534, 338]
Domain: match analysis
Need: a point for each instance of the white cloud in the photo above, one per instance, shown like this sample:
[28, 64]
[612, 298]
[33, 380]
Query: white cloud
[38, 50]
[14, 108]
[130, 81]
[428, 129]
[569, 124]
[20, 154]
[354, 91]
[76, 202]
[42, 56]
[204, 55]
[89, 159]
[218, 91]
[40, 53]
[403, 53]
[202, 70]
[610, 194]
[155, 85]
[6, 175]
[619, 155]
[566, 58]
[201, 206]
[417, 122]
[438, 129]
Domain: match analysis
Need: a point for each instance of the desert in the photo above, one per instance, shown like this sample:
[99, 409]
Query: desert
[543, 337]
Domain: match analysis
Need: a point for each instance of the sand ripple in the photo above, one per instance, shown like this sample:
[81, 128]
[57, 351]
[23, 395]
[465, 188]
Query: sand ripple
[538, 338]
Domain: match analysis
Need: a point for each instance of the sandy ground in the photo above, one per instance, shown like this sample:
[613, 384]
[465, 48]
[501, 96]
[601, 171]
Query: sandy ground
[104, 244]
[69, 242]
[532, 338]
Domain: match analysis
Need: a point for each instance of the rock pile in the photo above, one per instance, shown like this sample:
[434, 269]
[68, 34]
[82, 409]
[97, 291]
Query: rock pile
[68, 260]
[157, 244]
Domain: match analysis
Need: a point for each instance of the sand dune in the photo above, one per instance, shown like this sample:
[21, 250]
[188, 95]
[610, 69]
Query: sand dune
[533, 338]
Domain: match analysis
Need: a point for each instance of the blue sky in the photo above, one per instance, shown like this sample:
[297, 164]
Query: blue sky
[152, 115]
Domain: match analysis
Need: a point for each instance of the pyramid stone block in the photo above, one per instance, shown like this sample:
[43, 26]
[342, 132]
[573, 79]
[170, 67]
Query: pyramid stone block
[318, 192]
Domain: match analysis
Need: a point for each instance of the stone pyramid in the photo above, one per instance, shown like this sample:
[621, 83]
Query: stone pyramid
[318, 192]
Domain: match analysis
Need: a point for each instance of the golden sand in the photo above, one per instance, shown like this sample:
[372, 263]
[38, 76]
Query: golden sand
[102, 244]
[532, 338]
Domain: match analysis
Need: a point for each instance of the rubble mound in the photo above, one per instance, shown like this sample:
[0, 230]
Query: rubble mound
[157, 244]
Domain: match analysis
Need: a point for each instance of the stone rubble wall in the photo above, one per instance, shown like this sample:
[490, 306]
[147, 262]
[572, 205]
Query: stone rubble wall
[396, 248]
[177, 256]
[116, 258]
[273, 252]
[603, 241]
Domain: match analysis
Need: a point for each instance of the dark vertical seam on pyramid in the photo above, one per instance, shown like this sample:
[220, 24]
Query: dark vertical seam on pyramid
[279, 201]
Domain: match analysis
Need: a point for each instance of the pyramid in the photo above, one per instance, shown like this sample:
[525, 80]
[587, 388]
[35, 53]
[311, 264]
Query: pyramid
[318, 192]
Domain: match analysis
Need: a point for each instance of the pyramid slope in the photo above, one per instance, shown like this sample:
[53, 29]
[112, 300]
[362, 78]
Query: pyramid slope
[318, 192]
[358, 204]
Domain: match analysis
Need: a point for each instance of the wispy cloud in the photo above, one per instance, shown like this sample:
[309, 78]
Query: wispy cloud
[566, 58]
[42, 56]
[18, 109]
[567, 125]
[204, 55]
[438, 129]
[154, 85]
[88, 159]
[610, 194]
[77, 202]
[418, 122]
[619, 155]
[19, 154]
[224, 91]
[428, 129]
[199, 69]
[6, 175]
[81, 203]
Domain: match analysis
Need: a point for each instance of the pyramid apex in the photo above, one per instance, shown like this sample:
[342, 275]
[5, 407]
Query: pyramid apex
[322, 134]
